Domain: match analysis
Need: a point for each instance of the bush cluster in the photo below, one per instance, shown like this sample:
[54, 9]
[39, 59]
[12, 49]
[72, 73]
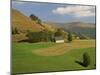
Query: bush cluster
[39, 36]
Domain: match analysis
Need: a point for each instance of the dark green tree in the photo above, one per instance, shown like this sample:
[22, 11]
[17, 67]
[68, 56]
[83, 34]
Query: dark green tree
[86, 59]
[58, 32]
[39, 36]
[15, 31]
[35, 18]
[39, 21]
[69, 37]
[33, 36]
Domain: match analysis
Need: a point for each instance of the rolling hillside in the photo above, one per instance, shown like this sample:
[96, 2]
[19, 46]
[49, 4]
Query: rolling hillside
[86, 29]
[22, 24]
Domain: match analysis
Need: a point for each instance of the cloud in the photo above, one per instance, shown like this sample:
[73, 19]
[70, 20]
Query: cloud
[76, 11]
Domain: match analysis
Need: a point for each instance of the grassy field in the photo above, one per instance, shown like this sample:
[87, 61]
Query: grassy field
[42, 57]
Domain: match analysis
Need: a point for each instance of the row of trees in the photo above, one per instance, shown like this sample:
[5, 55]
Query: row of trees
[46, 36]
[39, 36]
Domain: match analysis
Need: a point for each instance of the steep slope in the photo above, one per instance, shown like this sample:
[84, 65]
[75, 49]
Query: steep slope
[49, 27]
[23, 23]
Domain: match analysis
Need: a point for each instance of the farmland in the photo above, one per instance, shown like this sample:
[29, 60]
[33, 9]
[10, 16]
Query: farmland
[48, 56]
[35, 33]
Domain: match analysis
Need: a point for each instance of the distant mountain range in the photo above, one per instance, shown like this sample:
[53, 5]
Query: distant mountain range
[86, 29]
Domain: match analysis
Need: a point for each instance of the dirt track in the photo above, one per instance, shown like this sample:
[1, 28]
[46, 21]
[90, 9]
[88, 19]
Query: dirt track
[62, 48]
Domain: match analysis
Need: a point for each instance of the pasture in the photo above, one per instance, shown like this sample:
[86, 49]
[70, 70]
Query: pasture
[48, 56]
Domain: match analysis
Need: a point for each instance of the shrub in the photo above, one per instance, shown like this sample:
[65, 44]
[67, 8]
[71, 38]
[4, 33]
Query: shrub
[33, 37]
[86, 59]
[35, 18]
[39, 36]
[15, 31]
[58, 32]
[69, 37]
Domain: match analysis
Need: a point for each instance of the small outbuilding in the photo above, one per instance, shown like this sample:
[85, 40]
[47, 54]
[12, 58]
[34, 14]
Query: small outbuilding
[59, 39]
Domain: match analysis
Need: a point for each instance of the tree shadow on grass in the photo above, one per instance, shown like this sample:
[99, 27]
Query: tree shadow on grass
[25, 40]
[80, 63]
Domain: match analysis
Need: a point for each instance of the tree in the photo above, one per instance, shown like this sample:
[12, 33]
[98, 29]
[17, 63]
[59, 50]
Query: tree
[39, 36]
[69, 37]
[15, 31]
[86, 59]
[35, 18]
[34, 36]
[58, 32]
[39, 21]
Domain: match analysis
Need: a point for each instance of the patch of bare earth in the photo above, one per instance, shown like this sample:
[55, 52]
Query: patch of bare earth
[62, 48]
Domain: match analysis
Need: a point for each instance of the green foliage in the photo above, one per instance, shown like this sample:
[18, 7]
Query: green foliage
[39, 36]
[15, 31]
[69, 37]
[35, 18]
[86, 59]
[39, 21]
[33, 37]
[58, 32]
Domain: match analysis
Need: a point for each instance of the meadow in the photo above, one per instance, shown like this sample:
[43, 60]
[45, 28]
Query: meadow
[49, 56]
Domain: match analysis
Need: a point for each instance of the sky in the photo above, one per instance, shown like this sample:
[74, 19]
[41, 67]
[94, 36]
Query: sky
[53, 12]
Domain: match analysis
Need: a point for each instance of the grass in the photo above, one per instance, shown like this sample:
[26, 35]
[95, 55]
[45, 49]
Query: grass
[25, 61]
[62, 48]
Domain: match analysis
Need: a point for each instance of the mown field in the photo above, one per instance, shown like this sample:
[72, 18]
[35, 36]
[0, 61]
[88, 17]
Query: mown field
[44, 57]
